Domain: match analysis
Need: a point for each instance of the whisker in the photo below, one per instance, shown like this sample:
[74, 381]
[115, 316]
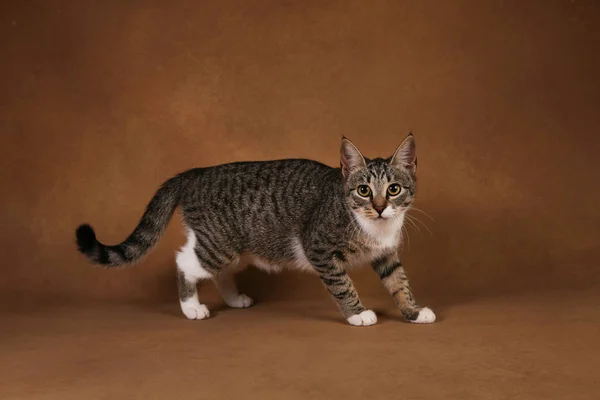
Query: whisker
[407, 236]
[411, 222]
[412, 217]
[422, 212]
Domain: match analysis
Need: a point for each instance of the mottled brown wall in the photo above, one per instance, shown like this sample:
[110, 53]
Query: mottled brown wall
[102, 101]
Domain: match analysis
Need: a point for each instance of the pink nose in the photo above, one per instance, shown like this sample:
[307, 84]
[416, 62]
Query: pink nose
[379, 210]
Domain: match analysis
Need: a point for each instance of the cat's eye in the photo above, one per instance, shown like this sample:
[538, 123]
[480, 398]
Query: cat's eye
[364, 190]
[394, 189]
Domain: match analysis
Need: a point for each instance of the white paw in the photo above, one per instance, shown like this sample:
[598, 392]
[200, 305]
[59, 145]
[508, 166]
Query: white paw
[365, 318]
[426, 316]
[239, 301]
[195, 311]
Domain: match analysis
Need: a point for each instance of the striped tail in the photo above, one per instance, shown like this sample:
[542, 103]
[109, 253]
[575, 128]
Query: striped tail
[151, 227]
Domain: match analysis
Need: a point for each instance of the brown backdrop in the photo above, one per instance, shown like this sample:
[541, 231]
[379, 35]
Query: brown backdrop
[102, 101]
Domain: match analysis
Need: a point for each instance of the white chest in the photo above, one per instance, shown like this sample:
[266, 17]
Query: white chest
[382, 234]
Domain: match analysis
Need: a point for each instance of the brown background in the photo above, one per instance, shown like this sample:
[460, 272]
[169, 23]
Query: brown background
[102, 101]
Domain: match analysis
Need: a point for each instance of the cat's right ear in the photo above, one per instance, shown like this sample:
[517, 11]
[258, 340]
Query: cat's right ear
[351, 158]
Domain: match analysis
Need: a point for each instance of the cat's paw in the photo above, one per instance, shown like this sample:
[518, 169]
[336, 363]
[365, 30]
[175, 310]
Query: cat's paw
[239, 301]
[426, 316]
[365, 318]
[195, 311]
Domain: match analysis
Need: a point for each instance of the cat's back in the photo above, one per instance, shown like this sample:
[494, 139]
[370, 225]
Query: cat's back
[283, 171]
[271, 184]
[294, 166]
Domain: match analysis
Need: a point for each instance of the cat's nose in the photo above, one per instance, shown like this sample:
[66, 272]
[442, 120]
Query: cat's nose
[379, 210]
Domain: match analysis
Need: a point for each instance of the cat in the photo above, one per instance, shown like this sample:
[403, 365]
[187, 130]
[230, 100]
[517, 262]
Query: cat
[292, 213]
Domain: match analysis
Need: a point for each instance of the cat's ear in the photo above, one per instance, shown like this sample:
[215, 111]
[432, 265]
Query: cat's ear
[406, 154]
[350, 158]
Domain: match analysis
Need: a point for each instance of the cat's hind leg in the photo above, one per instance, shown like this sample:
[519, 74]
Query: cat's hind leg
[225, 282]
[189, 272]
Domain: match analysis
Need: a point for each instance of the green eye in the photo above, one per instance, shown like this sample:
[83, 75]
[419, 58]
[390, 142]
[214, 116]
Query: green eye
[394, 189]
[364, 190]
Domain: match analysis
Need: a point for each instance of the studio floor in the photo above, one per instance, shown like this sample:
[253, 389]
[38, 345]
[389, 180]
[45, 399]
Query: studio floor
[539, 346]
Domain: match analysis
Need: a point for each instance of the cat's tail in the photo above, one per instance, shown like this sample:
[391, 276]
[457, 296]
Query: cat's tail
[150, 228]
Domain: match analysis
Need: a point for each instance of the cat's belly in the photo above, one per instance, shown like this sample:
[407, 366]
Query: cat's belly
[297, 260]
[248, 259]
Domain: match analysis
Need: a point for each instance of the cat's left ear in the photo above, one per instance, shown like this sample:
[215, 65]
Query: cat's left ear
[406, 154]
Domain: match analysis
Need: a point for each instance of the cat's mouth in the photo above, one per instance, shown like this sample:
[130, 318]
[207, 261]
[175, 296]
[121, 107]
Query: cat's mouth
[380, 218]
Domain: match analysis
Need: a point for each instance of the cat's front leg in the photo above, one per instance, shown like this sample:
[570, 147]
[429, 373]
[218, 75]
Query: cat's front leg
[342, 290]
[392, 275]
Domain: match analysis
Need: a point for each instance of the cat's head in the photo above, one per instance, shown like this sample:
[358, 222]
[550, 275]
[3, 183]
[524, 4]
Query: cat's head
[379, 190]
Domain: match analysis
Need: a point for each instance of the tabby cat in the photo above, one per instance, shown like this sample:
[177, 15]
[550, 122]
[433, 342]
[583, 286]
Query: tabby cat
[283, 214]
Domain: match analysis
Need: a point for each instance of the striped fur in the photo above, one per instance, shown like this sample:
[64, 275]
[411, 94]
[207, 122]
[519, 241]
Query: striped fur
[276, 214]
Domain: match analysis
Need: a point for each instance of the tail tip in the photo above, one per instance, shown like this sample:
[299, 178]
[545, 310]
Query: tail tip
[86, 238]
